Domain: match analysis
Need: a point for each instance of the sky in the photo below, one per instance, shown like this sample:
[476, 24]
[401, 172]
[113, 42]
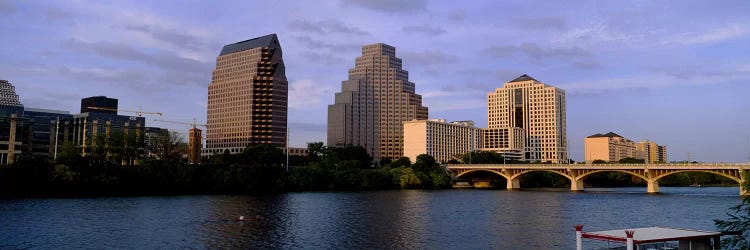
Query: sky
[673, 72]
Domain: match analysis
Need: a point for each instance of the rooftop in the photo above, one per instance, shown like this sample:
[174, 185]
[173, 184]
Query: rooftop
[270, 40]
[610, 134]
[651, 234]
[524, 77]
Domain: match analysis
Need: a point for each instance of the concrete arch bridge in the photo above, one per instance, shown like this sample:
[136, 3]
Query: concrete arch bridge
[576, 173]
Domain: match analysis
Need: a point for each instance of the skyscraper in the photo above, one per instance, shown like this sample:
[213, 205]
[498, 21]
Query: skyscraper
[373, 104]
[247, 97]
[537, 108]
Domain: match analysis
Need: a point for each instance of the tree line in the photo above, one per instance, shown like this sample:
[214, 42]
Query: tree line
[258, 169]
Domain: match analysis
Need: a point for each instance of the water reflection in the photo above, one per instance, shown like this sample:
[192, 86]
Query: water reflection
[446, 219]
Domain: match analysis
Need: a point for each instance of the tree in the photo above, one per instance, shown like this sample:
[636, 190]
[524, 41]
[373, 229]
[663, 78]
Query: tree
[424, 163]
[401, 162]
[315, 151]
[599, 162]
[631, 160]
[167, 145]
[482, 157]
[739, 221]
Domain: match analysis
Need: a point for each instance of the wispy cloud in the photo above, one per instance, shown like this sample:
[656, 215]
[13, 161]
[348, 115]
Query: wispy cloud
[320, 44]
[424, 29]
[725, 33]
[325, 27]
[577, 56]
[432, 57]
[389, 6]
[551, 23]
[306, 93]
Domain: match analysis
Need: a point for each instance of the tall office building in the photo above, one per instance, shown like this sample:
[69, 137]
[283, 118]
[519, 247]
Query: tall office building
[440, 139]
[247, 97]
[11, 114]
[653, 152]
[537, 108]
[610, 147]
[100, 104]
[373, 104]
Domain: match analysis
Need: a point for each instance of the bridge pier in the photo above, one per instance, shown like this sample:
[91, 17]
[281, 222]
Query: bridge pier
[652, 187]
[576, 185]
[513, 184]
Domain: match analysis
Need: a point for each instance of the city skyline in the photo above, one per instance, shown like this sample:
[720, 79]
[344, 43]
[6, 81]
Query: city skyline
[634, 68]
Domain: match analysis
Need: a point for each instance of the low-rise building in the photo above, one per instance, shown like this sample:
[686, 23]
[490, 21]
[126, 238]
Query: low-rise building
[508, 142]
[610, 147]
[440, 139]
[653, 152]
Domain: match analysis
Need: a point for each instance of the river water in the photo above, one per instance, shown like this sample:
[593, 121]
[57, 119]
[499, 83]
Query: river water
[409, 219]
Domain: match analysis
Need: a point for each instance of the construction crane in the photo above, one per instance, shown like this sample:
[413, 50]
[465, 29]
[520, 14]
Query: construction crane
[195, 138]
[138, 112]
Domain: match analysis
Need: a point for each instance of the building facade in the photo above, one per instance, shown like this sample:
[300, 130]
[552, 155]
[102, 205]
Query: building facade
[538, 109]
[610, 147]
[247, 97]
[653, 152]
[45, 130]
[440, 139]
[373, 104]
[508, 142]
[11, 123]
[101, 104]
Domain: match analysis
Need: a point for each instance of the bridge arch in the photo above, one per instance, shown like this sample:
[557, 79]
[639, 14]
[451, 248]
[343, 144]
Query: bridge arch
[728, 174]
[482, 170]
[563, 173]
[582, 175]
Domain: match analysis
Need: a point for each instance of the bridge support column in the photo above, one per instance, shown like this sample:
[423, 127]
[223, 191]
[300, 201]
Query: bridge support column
[576, 185]
[652, 187]
[743, 178]
[513, 184]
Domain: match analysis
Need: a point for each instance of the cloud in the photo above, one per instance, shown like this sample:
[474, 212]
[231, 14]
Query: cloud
[7, 7]
[548, 23]
[578, 57]
[317, 44]
[325, 58]
[505, 75]
[310, 127]
[458, 15]
[432, 57]
[424, 29]
[182, 70]
[658, 79]
[172, 37]
[128, 78]
[325, 27]
[390, 6]
[726, 33]
[304, 94]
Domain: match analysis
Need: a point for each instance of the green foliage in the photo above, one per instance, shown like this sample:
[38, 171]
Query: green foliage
[739, 222]
[425, 163]
[482, 157]
[401, 162]
[631, 160]
[409, 179]
[599, 162]
[257, 169]
[544, 179]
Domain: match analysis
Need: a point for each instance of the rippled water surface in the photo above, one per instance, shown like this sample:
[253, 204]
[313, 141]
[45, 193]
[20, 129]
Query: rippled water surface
[446, 219]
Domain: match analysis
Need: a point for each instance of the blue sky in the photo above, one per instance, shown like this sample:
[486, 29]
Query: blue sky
[674, 72]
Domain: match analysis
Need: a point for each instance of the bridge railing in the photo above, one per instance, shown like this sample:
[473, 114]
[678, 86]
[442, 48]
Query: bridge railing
[607, 166]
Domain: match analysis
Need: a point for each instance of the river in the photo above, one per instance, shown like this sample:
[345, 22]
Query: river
[408, 219]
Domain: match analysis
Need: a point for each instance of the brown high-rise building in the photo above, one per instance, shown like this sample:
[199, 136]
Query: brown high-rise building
[537, 108]
[373, 104]
[247, 97]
